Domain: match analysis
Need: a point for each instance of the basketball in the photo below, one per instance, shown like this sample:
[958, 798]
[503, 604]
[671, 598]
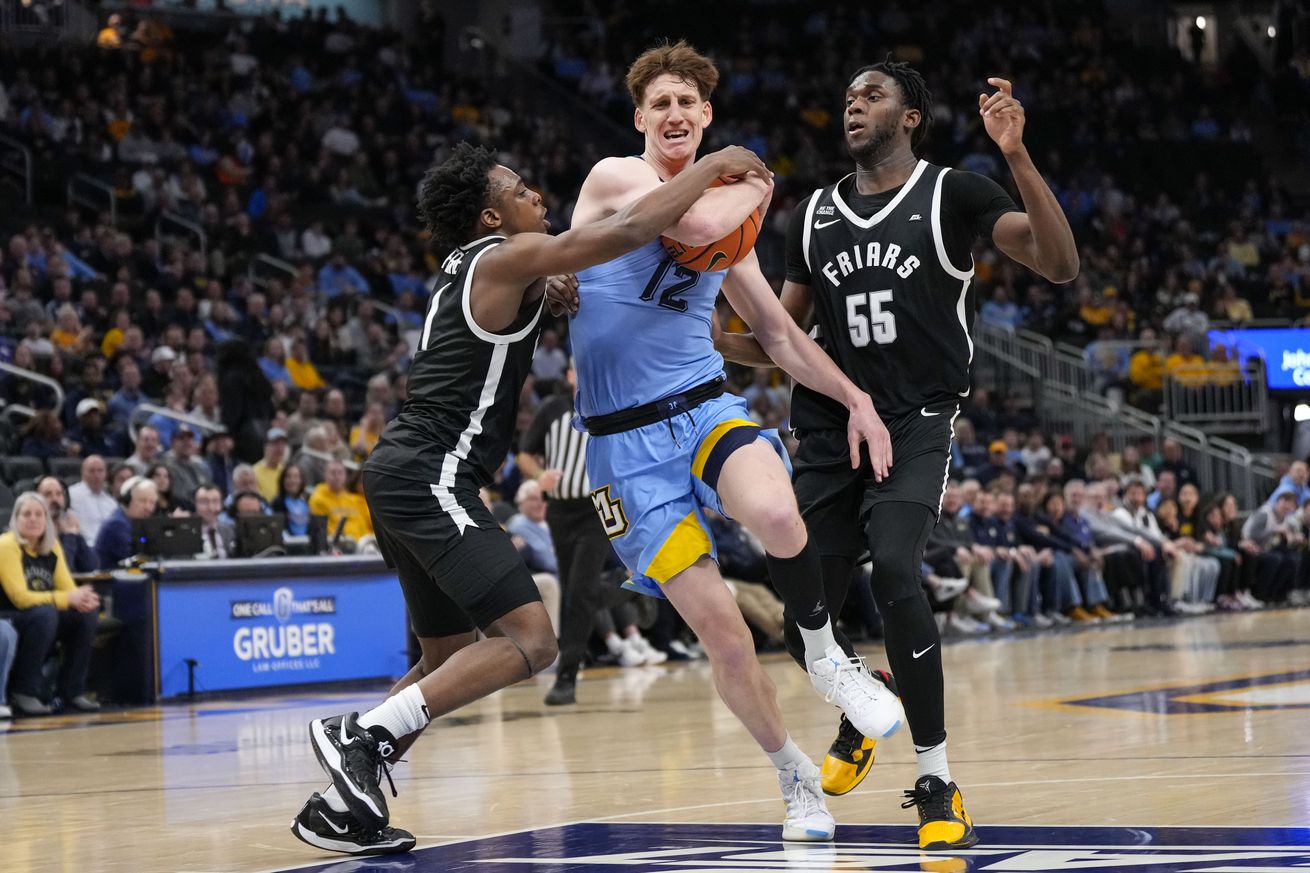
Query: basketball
[720, 254]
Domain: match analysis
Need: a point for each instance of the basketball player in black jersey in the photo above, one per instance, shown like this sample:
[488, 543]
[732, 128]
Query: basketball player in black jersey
[881, 262]
[459, 571]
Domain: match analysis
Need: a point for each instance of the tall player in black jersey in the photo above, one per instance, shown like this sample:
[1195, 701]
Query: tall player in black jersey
[459, 571]
[882, 262]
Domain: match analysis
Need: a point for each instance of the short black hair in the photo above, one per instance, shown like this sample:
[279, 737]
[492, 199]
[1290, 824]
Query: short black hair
[914, 93]
[454, 192]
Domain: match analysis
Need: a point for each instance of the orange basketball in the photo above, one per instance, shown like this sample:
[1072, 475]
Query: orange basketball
[718, 255]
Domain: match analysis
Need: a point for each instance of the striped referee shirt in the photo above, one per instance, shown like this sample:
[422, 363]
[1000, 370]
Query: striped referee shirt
[551, 436]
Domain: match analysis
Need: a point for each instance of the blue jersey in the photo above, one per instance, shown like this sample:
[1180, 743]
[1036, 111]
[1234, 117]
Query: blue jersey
[642, 331]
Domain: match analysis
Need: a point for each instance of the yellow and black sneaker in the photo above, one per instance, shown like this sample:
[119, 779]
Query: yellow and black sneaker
[943, 823]
[850, 757]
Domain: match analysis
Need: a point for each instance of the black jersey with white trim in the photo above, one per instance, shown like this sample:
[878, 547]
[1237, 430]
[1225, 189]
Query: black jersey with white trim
[891, 276]
[464, 385]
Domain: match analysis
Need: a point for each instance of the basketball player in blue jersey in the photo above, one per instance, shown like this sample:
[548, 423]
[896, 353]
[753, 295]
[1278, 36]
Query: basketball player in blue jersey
[666, 441]
[881, 260]
[457, 568]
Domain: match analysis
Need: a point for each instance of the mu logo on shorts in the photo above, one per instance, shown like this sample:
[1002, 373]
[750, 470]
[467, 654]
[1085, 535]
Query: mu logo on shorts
[610, 510]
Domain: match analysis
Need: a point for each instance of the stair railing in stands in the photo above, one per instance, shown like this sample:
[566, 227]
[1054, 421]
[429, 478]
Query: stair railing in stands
[1022, 359]
[39, 378]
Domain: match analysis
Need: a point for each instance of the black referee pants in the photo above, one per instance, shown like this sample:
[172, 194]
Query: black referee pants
[581, 548]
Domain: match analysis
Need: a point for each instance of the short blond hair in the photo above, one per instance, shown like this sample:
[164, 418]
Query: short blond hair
[679, 59]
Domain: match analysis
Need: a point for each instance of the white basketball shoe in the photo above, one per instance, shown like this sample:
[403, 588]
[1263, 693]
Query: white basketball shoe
[808, 819]
[848, 685]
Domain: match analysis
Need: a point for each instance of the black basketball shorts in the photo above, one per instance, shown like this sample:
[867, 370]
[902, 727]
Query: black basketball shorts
[457, 567]
[835, 499]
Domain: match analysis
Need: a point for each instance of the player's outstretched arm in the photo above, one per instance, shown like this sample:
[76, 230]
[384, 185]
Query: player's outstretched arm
[783, 341]
[615, 182]
[529, 256]
[1040, 238]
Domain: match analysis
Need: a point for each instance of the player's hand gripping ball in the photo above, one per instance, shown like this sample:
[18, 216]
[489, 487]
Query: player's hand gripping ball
[720, 254]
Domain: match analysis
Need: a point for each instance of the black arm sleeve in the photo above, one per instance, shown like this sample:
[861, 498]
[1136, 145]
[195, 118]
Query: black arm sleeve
[797, 270]
[534, 441]
[971, 205]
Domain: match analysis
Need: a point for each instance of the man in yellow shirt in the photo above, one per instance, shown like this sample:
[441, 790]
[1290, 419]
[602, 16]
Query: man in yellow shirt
[1185, 366]
[268, 469]
[331, 498]
[1146, 367]
[304, 375]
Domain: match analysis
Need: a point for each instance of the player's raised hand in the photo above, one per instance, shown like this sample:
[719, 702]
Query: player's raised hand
[737, 161]
[1002, 115]
[562, 295]
[864, 426]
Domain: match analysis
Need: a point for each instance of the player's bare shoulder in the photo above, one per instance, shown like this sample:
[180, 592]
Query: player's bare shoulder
[612, 184]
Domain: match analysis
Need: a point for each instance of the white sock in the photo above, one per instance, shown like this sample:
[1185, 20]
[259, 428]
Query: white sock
[817, 642]
[400, 715]
[789, 757]
[932, 761]
[333, 798]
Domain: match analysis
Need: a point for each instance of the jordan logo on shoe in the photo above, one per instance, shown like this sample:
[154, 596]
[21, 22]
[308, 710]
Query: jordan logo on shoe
[918, 655]
[323, 816]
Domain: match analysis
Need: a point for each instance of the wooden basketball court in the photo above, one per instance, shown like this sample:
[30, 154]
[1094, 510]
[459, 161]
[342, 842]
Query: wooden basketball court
[1200, 724]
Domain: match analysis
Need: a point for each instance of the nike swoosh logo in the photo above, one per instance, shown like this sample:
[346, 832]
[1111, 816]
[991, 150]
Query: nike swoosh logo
[926, 414]
[819, 225]
[918, 655]
[331, 825]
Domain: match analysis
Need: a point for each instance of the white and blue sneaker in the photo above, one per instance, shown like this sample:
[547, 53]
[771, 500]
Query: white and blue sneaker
[847, 684]
[808, 819]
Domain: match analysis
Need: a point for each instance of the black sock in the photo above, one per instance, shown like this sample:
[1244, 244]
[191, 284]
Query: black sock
[799, 582]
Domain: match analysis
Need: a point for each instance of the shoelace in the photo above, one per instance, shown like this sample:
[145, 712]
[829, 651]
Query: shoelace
[933, 806]
[384, 769]
[802, 797]
[848, 666]
[848, 735]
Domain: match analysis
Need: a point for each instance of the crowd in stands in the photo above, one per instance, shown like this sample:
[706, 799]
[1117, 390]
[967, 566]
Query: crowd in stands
[218, 383]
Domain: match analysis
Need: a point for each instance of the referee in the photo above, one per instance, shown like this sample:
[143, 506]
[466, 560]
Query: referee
[581, 545]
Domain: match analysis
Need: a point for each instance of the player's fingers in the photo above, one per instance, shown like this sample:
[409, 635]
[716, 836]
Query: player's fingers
[853, 439]
[1003, 84]
[995, 102]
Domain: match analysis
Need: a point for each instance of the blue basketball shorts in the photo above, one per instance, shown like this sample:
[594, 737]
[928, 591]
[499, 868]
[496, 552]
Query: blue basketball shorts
[651, 484]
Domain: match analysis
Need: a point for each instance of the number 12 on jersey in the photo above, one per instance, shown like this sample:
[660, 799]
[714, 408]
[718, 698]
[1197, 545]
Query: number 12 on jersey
[866, 319]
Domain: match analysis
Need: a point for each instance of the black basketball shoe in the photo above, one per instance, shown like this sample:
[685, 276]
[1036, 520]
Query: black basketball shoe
[850, 757]
[350, 755]
[564, 692]
[943, 823]
[324, 828]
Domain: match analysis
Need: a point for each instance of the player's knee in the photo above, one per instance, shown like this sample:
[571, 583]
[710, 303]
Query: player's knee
[895, 577]
[541, 651]
[730, 649]
[781, 530]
